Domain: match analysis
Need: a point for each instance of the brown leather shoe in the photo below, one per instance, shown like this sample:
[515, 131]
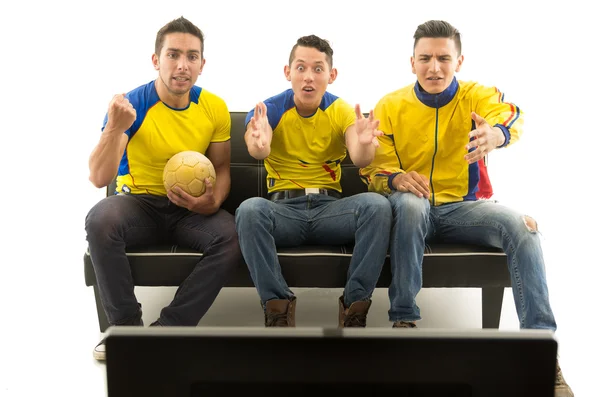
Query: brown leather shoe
[280, 313]
[355, 315]
[561, 388]
[404, 324]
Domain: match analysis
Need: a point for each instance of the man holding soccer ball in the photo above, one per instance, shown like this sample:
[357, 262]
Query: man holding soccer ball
[142, 130]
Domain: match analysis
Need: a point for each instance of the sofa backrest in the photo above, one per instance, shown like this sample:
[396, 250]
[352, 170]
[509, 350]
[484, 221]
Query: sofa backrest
[248, 176]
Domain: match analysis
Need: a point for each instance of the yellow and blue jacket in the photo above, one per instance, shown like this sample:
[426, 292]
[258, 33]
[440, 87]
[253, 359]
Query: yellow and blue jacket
[427, 133]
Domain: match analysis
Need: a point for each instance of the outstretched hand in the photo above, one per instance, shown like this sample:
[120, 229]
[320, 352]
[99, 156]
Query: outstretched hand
[205, 204]
[259, 125]
[484, 139]
[366, 128]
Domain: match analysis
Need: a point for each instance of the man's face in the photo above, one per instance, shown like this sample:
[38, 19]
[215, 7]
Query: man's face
[435, 61]
[310, 74]
[179, 63]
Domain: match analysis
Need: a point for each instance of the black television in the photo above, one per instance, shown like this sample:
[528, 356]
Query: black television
[234, 361]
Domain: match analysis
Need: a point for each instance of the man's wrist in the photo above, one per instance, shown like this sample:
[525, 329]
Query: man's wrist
[504, 137]
[391, 181]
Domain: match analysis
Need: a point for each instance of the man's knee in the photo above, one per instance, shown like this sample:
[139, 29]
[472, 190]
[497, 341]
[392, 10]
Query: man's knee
[407, 203]
[103, 217]
[252, 208]
[376, 205]
[530, 223]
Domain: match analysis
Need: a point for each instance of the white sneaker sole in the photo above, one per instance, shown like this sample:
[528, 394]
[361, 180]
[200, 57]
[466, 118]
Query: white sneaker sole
[100, 355]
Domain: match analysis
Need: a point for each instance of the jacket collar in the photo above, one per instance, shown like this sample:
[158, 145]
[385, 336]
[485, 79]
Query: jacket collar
[437, 100]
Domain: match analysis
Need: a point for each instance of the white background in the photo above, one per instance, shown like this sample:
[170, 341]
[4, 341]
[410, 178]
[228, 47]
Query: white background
[62, 62]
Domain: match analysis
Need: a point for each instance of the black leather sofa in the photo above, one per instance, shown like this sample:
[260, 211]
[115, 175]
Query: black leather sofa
[444, 265]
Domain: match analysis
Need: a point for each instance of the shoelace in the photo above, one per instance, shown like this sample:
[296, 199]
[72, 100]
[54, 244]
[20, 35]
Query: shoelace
[355, 320]
[404, 324]
[276, 320]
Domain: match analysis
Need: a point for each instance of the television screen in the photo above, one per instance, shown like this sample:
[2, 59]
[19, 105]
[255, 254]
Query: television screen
[215, 361]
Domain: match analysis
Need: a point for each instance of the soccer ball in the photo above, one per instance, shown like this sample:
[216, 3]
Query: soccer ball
[187, 170]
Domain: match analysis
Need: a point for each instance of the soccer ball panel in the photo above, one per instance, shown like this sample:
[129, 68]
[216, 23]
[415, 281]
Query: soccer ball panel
[188, 170]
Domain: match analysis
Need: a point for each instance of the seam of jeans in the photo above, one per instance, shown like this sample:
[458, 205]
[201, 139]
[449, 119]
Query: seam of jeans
[515, 269]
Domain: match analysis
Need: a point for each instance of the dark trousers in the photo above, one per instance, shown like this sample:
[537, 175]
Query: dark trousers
[122, 221]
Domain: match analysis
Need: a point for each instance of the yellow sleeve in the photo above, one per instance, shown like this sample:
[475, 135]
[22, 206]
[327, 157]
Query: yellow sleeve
[491, 106]
[221, 120]
[344, 115]
[385, 164]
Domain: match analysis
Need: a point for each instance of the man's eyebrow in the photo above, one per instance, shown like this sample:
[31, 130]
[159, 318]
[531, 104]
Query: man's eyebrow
[178, 50]
[438, 56]
[300, 60]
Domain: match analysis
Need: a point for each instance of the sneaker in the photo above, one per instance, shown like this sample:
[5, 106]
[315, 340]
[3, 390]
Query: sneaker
[100, 351]
[561, 388]
[404, 324]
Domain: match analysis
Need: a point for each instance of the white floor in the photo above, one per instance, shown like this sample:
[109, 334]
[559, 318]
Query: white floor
[63, 362]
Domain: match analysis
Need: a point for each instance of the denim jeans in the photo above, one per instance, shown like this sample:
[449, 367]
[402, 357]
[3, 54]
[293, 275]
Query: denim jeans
[118, 222]
[485, 223]
[363, 219]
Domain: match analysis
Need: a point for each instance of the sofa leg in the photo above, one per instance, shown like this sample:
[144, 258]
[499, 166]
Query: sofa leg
[102, 320]
[491, 306]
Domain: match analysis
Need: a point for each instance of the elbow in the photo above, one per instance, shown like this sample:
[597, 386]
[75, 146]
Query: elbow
[362, 162]
[97, 181]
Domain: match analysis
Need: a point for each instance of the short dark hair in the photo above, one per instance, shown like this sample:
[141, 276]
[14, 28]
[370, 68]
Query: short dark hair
[435, 29]
[316, 42]
[179, 25]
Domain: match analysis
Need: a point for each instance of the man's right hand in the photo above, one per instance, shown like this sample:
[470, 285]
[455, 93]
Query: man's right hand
[121, 114]
[412, 182]
[258, 126]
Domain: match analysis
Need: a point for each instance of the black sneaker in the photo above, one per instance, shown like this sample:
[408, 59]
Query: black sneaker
[100, 349]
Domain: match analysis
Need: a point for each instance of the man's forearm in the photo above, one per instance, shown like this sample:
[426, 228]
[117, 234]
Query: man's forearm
[361, 155]
[222, 186]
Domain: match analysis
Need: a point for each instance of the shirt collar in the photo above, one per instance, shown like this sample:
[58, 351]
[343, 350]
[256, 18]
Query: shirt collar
[437, 100]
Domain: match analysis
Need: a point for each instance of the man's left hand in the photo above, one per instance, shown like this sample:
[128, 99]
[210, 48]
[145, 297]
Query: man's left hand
[484, 139]
[366, 128]
[205, 204]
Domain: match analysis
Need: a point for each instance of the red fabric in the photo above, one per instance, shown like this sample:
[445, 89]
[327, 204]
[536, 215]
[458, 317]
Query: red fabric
[485, 186]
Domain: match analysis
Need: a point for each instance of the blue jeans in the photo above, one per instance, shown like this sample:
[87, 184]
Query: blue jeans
[483, 223]
[363, 219]
[122, 221]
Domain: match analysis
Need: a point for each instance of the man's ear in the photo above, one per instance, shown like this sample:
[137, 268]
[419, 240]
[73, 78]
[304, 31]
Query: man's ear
[332, 75]
[155, 62]
[459, 63]
[201, 66]
[412, 65]
[287, 71]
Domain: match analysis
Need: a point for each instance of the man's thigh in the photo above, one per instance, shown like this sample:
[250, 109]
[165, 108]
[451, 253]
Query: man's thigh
[289, 221]
[336, 221]
[132, 217]
[477, 222]
[198, 231]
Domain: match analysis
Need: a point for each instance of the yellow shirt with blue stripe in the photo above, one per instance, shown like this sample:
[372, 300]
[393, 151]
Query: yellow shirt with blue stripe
[427, 133]
[159, 132]
[306, 152]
